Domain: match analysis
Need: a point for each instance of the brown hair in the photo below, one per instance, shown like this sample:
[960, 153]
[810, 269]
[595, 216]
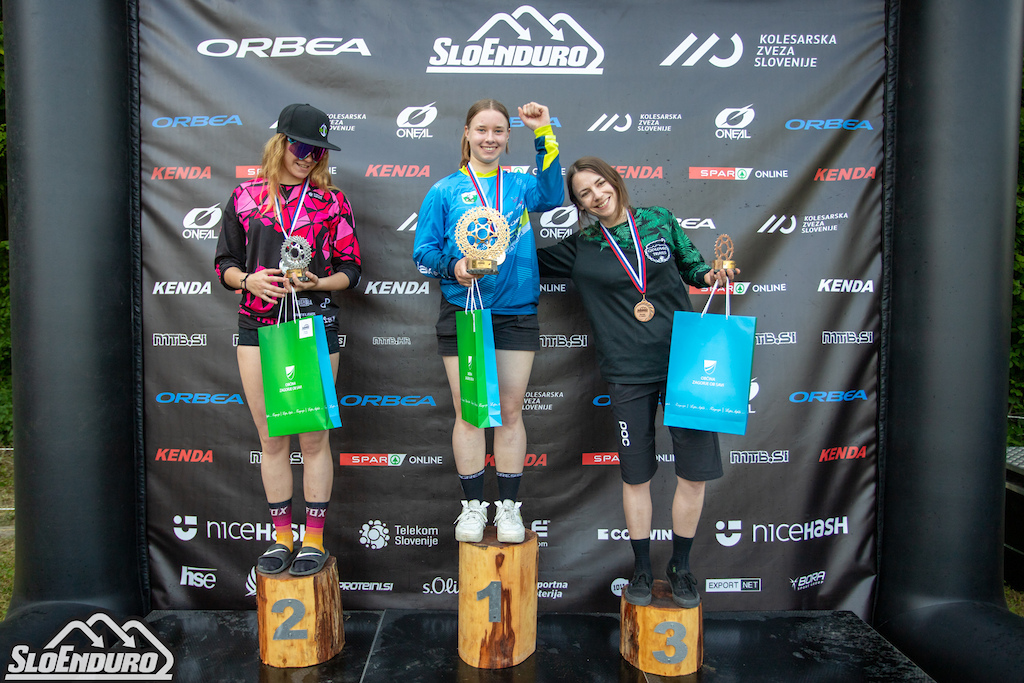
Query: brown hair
[603, 169]
[479, 106]
[273, 163]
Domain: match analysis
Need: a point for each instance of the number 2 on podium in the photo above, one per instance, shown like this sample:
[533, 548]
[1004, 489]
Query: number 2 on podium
[493, 596]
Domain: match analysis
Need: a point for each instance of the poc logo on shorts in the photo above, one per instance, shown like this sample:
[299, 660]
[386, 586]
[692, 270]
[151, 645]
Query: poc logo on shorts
[624, 432]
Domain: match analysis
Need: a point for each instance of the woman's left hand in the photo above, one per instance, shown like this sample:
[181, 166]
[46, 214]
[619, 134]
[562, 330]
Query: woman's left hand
[723, 276]
[534, 115]
[298, 285]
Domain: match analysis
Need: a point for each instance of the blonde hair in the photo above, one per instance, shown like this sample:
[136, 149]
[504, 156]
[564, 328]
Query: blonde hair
[272, 166]
[479, 106]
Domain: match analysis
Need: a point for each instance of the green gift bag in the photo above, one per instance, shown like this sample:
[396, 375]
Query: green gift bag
[298, 383]
[478, 366]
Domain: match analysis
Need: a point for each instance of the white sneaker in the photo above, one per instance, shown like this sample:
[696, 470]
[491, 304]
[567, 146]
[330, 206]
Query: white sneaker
[469, 526]
[509, 521]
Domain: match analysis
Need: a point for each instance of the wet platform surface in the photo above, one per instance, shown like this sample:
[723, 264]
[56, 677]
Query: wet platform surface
[414, 646]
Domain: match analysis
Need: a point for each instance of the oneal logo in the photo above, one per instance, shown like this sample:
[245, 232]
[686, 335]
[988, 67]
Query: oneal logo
[196, 121]
[413, 121]
[604, 122]
[828, 124]
[181, 288]
[558, 223]
[729, 533]
[752, 585]
[719, 173]
[125, 652]
[696, 223]
[186, 527]
[179, 339]
[732, 122]
[200, 223]
[827, 396]
[641, 172]
[183, 455]
[180, 173]
[784, 224]
[843, 453]
[397, 171]
[410, 287]
[282, 46]
[217, 399]
[542, 47]
[855, 286]
[720, 58]
[855, 173]
[372, 459]
[847, 337]
[199, 577]
[384, 401]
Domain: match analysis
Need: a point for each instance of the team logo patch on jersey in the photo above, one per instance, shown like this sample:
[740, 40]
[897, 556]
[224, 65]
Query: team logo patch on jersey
[469, 198]
[658, 251]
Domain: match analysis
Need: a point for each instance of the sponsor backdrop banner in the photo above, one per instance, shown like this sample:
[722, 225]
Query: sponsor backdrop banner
[758, 120]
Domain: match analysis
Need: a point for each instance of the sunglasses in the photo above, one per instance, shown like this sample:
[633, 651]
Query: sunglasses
[301, 150]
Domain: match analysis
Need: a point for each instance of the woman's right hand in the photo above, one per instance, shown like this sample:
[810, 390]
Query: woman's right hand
[462, 275]
[266, 284]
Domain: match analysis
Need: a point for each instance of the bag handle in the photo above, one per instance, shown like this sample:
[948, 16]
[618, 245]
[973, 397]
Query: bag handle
[471, 300]
[708, 304]
[294, 301]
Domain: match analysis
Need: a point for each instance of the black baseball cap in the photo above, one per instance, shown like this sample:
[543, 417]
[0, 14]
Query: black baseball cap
[305, 123]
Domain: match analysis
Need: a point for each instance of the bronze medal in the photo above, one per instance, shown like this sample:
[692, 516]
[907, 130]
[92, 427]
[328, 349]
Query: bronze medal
[644, 310]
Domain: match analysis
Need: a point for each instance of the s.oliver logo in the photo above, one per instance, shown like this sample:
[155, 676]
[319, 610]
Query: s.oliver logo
[282, 46]
[217, 399]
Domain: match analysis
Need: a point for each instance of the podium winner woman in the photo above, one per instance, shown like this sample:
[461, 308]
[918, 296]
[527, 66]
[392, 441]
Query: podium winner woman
[293, 195]
[511, 295]
[632, 267]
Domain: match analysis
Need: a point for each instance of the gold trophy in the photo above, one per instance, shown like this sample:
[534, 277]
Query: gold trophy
[482, 235]
[723, 253]
[295, 257]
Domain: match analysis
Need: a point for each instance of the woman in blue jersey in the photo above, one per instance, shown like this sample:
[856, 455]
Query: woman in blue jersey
[632, 267]
[511, 295]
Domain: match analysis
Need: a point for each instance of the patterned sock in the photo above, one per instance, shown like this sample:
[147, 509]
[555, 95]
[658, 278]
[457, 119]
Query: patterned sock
[473, 485]
[281, 514]
[641, 556]
[680, 552]
[508, 485]
[316, 515]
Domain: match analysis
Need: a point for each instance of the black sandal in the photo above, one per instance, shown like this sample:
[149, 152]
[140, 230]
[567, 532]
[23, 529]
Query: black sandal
[275, 553]
[306, 555]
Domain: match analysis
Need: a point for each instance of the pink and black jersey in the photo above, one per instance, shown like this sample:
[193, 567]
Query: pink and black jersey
[251, 237]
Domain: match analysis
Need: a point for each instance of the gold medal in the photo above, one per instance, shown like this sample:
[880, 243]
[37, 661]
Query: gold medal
[644, 310]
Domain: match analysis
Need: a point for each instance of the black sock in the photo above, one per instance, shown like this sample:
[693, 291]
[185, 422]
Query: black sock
[508, 485]
[641, 555]
[680, 553]
[473, 485]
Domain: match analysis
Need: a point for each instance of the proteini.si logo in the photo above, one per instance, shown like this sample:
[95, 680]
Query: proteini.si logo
[543, 46]
[122, 652]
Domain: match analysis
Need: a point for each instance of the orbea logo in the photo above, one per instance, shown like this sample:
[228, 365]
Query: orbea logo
[827, 396]
[196, 121]
[719, 173]
[828, 124]
[282, 46]
[385, 401]
[183, 455]
[552, 51]
[114, 653]
[374, 534]
[216, 399]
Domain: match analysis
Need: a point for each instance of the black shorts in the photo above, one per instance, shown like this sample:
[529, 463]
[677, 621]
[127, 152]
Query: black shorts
[697, 453]
[511, 332]
[247, 337]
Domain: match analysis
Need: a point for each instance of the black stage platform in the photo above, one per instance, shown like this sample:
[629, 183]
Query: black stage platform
[399, 646]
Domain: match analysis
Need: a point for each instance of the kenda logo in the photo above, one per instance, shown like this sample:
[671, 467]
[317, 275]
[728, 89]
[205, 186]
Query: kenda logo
[696, 223]
[531, 460]
[719, 173]
[828, 124]
[180, 173]
[827, 396]
[843, 453]
[641, 172]
[784, 224]
[623, 534]
[397, 171]
[386, 401]
[179, 339]
[854, 173]
[722, 57]
[542, 46]
[183, 455]
[808, 581]
[413, 121]
[604, 122]
[122, 652]
[196, 121]
[198, 577]
[847, 337]
[837, 285]
[216, 399]
[410, 287]
[181, 288]
[731, 123]
[372, 459]
[186, 527]
[200, 223]
[282, 46]
[751, 585]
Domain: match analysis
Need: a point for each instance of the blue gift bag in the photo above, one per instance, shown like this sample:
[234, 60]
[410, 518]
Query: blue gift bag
[709, 370]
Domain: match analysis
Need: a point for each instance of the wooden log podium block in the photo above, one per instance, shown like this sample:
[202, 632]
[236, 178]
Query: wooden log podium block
[662, 638]
[299, 617]
[497, 601]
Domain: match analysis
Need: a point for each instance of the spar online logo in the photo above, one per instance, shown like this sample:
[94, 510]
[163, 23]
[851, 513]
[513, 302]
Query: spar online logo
[543, 46]
[374, 534]
[126, 652]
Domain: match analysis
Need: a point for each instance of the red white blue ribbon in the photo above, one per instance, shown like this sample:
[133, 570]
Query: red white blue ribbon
[298, 209]
[480, 189]
[639, 275]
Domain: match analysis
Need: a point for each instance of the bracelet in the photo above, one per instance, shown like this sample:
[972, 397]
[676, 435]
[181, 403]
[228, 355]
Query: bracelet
[242, 286]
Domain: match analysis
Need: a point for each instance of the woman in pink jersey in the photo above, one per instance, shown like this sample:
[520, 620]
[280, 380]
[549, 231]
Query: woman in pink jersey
[293, 196]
